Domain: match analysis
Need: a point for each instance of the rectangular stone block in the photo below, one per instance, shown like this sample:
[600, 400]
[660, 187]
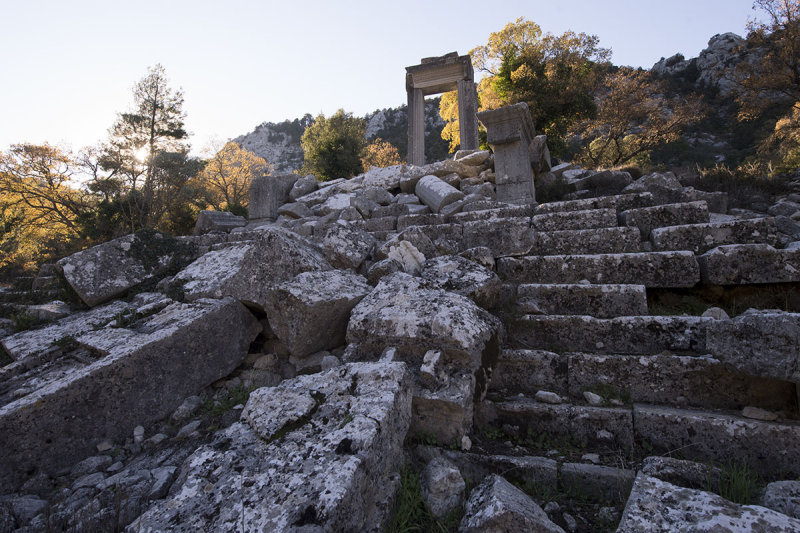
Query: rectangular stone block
[766, 447]
[529, 371]
[700, 238]
[381, 224]
[601, 301]
[123, 377]
[651, 269]
[586, 241]
[623, 335]
[740, 264]
[620, 202]
[660, 216]
[430, 219]
[504, 236]
[603, 483]
[571, 220]
[492, 214]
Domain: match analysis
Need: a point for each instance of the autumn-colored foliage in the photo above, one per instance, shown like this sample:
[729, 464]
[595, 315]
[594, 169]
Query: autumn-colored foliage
[226, 177]
[380, 153]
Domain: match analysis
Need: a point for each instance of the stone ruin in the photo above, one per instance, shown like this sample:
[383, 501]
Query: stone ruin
[274, 374]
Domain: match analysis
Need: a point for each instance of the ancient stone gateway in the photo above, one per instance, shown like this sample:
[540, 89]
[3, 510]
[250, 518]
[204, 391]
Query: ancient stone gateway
[436, 75]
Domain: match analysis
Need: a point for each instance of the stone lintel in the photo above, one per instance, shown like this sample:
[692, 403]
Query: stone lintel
[439, 74]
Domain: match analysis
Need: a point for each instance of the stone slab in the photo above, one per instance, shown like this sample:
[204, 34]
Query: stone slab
[586, 241]
[504, 236]
[700, 238]
[620, 203]
[739, 264]
[660, 216]
[572, 220]
[601, 301]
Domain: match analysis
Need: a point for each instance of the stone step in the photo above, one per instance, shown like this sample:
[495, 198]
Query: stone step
[602, 301]
[660, 216]
[571, 220]
[741, 264]
[768, 448]
[620, 202]
[586, 241]
[651, 269]
[622, 335]
[510, 211]
[664, 378]
[700, 238]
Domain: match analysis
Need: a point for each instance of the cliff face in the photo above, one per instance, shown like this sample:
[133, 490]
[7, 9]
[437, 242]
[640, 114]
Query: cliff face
[279, 144]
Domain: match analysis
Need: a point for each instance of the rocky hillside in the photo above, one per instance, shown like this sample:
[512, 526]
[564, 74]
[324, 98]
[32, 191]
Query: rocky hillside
[279, 144]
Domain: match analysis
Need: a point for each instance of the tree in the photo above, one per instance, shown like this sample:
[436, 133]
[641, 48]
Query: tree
[226, 177]
[554, 75]
[153, 126]
[634, 117]
[775, 78]
[332, 147]
[380, 153]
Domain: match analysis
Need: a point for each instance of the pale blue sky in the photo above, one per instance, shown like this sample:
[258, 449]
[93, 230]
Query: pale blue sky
[68, 66]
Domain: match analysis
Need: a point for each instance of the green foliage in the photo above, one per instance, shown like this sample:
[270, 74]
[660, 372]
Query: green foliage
[216, 408]
[333, 146]
[24, 321]
[739, 484]
[410, 513]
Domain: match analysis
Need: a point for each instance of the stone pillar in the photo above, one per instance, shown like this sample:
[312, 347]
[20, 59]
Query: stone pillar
[416, 126]
[510, 132]
[268, 193]
[467, 118]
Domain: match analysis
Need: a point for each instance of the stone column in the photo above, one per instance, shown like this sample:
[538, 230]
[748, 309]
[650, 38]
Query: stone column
[467, 118]
[416, 126]
[510, 131]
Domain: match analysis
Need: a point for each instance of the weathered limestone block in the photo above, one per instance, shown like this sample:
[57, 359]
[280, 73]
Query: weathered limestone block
[493, 213]
[406, 312]
[573, 220]
[606, 182]
[759, 343]
[472, 157]
[305, 185]
[346, 246]
[738, 264]
[700, 238]
[310, 312]
[381, 224]
[540, 155]
[414, 235]
[621, 202]
[268, 193]
[406, 221]
[442, 486]
[784, 497]
[683, 473]
[107, 270]
[510, 132]
[529, 371]
[504, 236]
[436, 194]
[386, 178]
[316, 451]
[656, 505]
[440, 169]
[664, 187]
[586, 241]
[407, 256]
[717, 201]
[601, 482]
[497, 505]
[24, 345]
[126, 377]
[622, 335]
[465, 277]
[660, 216]
[651, 269]
[667, 379]
[335, 203]
[601, 301]
[217, 221]
[445, 409]
[249, 269]
[766, 447]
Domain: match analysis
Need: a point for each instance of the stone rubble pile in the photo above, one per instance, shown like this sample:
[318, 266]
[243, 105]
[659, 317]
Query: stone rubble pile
[435, 304]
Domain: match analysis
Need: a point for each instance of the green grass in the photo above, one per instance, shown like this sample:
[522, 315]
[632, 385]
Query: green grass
[24, 321]
[739, 484]
[215, 408]
[410, 514]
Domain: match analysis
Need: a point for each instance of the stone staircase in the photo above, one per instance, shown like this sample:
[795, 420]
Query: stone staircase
[624, 381]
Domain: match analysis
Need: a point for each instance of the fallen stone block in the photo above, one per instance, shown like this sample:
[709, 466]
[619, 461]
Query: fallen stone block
[316, 451]
[602, 483]
[656, 505]
[346, 246]
[621, 335]
[436, 194]
[620, 203]
[700, 238]
[126, 377]
[759, 343]
[783, 497]
[739, 264]
[489, 214]
[663, 186]
[571, 220]
[442, 486]
[651, 269]
[606, 182]
[586, 241]
[649, 218]
[766, 447]
[217, 221]
[247, 270]
[600, 301]
[310, 312]
[445, 410]
[295, 210]
[268, 193]
[303, 186]
[497, 505]
[108, 270]
[462, 276]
